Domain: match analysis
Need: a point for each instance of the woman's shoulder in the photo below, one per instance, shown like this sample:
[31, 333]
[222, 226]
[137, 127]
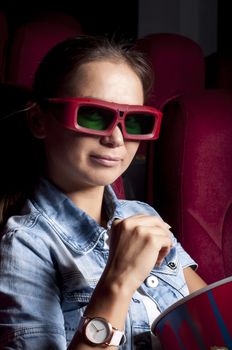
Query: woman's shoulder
[25, 227]
[27, 236]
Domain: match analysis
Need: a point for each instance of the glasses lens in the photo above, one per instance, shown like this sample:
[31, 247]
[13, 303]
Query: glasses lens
[94, 118]
[139, 124]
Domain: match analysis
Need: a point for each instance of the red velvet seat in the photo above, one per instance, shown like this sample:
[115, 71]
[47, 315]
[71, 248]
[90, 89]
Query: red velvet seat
[178, 66]
[3, 43]
[33, 40]
[119, 188]
[193, 188]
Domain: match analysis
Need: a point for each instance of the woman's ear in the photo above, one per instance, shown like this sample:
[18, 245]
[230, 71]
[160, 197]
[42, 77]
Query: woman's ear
[37, 122]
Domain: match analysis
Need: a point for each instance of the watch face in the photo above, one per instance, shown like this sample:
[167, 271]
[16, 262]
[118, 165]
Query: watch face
[97, 331]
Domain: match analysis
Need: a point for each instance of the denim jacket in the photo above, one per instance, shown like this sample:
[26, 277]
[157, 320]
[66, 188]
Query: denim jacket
[51, 258]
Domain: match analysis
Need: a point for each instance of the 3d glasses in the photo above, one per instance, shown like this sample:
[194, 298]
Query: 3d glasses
[96, 117]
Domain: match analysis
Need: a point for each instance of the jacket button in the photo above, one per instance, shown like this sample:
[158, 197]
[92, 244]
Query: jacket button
[152, 282]
[172, 265]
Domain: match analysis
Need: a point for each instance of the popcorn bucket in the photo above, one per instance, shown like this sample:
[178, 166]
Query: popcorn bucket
[200, 321]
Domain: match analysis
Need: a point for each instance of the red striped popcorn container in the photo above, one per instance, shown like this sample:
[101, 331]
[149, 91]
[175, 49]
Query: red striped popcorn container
[200, 321]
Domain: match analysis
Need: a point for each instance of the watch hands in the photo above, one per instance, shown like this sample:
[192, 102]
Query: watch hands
[98, 330]
[95, 327]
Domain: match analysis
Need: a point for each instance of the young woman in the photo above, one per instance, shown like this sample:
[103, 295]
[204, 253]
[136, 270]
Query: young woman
[79, 268]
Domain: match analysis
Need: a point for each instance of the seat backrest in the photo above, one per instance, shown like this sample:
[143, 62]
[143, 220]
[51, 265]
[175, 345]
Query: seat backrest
[33, 40]
[4, 33]
[193, 165]
[178, 65]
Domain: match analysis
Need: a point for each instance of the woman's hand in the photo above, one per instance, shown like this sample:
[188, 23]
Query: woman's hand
[137, 244]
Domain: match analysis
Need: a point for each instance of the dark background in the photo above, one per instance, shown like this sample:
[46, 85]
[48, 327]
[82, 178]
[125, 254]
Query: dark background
[224, 26]
[117, 18]
[96, 17]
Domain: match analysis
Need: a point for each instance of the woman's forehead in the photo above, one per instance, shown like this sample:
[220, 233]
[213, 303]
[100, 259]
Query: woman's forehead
[110, 81]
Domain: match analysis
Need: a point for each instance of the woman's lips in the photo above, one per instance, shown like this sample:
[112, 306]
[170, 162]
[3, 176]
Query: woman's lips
[105, 160]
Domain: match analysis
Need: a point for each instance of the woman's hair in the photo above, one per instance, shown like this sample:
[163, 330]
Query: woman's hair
[23, 160]
[56, 73]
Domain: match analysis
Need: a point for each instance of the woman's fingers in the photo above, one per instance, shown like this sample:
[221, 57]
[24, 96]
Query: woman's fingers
[144, 220]
[137, 244]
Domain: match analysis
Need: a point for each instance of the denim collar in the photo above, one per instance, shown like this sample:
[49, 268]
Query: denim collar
[76, 228]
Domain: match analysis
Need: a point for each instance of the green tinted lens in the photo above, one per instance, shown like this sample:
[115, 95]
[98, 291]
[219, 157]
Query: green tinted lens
[139, 124]
[133, 126]
[94, 118]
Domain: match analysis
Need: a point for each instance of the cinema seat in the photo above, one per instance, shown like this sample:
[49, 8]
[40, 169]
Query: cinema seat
[178, 66]
[32, 41]
[119, 188]
[193, 187]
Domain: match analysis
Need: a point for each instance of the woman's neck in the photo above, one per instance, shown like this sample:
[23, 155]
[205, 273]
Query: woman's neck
[90, 200]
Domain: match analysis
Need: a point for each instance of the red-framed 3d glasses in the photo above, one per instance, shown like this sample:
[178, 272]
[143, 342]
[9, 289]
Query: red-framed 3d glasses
[96, 117]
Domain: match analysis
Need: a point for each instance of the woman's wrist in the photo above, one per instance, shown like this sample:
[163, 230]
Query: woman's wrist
[110, 300]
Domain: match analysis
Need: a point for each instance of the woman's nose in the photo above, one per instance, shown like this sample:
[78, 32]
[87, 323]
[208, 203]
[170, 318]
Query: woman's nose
[115, 139]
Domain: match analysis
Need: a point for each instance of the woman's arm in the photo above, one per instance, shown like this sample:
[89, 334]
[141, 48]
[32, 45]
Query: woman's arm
[30, 313]
[193, 280]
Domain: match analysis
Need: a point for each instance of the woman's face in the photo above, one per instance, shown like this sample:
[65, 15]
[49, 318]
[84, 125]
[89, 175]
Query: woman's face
[77, 161]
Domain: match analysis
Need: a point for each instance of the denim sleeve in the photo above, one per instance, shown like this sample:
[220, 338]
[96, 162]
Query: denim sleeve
[30, 313]
[184, 257]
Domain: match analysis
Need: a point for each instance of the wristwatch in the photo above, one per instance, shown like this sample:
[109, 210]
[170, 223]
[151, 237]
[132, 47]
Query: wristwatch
[98, 331]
